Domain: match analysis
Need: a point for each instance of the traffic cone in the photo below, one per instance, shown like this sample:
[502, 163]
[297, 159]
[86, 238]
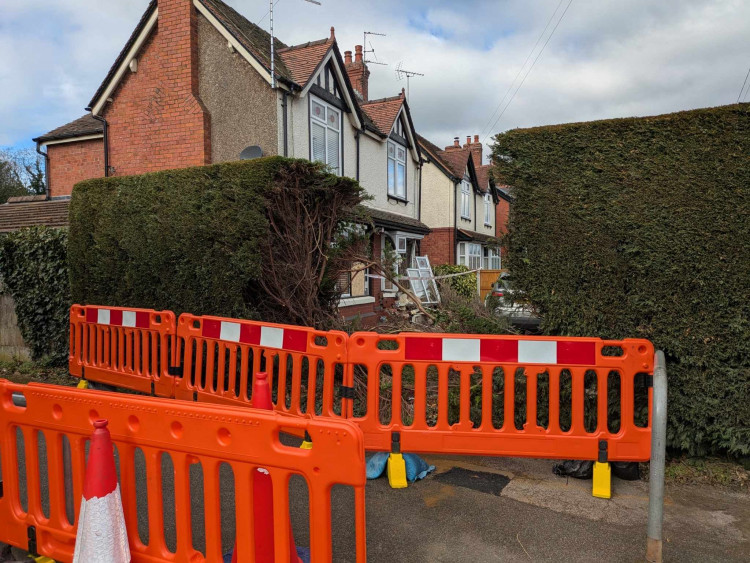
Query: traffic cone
[101, 532]
[263, 491]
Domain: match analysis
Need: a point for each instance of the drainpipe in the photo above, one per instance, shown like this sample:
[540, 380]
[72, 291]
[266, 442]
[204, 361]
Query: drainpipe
[46, 170]
[455, 220]
[284, 110]
[356, 137]
[105, 130]
[419, 199]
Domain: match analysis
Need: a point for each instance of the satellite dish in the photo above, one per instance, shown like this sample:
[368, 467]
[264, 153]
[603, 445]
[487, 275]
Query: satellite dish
[251, 152]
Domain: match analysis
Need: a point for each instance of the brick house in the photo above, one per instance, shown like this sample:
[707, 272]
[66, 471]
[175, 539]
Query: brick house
[195, 85]
[462, 206]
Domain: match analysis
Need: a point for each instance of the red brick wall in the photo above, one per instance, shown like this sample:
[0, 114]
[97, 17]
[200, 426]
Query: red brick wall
[156, 120]
[440, 246]
[70, 163]
[502, 209]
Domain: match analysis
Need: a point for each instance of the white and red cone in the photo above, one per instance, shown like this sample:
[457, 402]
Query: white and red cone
[101, 536]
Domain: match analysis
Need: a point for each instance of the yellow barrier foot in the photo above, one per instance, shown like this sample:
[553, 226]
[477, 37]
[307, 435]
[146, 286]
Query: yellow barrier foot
[602, 483]
[43, 559]
[83, 384]
[307, 443]
[396, 471]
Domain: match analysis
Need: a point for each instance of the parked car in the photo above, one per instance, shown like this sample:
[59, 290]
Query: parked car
[512, 303]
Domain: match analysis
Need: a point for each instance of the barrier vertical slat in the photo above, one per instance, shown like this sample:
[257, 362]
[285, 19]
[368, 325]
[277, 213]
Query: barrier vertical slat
[232, 370]
[33, 483]
[554, 401]
[243, 512]
[244, 373]
[628, 399]
[221, 369]
[281, 520]
[443, 371]
[509, 404]
[211, 509]
[281, 381]
[56, 486]
[78, 470]
[156, 544]
[602, 399]
[328, 391]
[182, 504]
[312, 382]
[320, 527]
[531, 400]
[396, 398]
[420, 397]
[296, 383]
[487, 390]
[465, 396]
[359, 519]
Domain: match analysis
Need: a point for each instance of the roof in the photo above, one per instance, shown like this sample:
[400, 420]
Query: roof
[383, 112]
[483, 177]
[394, 221]
[50, 213]
[463, 234]
[252, 37]
[302, 60]
[457, 161]
[85, 125]
[435, 153]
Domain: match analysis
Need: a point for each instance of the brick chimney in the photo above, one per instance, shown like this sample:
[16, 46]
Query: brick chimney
[358, 72]
[455, 146]
[476, 149]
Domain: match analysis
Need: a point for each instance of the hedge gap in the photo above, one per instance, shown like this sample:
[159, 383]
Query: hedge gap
[640, 227]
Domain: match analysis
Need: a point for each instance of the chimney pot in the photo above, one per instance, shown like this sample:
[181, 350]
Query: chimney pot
[358, 53]
[476, 138]
[468, 139]
[347, 57]
[456, 142]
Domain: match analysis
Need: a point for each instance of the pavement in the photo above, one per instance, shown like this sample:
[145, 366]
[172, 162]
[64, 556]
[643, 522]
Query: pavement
[498, 509]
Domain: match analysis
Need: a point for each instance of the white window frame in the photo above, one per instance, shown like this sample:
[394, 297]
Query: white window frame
[487, 208]
[394, 190]
[474, 256]
[465, 199]
[328, 131]
[461, 254]
[491, 258]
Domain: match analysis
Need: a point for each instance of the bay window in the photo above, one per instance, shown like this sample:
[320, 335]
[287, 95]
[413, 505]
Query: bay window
[325, 134]
[396, 170]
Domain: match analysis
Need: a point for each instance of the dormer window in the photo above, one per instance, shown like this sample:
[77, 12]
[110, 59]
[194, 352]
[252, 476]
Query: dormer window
[487, 210]
[465, 199]
[325, 134]
[396, 170]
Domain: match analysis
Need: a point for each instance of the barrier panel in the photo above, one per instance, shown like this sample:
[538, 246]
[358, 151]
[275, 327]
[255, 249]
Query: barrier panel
[501, 395]
[219, 357]
[130, 348]
[44, 433]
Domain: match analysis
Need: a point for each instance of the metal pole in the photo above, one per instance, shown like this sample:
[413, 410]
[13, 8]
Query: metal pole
[658, 455]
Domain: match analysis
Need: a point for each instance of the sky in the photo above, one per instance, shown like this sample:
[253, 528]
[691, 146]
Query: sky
[606, 58]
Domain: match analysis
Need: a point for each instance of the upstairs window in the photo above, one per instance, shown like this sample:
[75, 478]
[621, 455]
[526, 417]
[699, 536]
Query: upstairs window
[325, 134]
[396, 170]
[465, 200]
[487, 210]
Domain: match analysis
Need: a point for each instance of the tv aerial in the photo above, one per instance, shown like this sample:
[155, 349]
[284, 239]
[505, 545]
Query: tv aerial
[365, 50]
[402, 73]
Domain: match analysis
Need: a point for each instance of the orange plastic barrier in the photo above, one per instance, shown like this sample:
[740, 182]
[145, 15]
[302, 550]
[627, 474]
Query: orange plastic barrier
[219, 357]
[408, 379]
[130, 348]
[43, 435]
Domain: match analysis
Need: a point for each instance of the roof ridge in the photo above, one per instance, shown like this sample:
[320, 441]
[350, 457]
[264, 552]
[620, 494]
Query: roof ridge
[382, 100]
[313, 43]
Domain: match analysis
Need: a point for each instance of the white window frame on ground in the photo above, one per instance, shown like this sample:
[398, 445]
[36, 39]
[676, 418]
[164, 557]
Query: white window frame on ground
[396, 170]
[491, 258]
[487, 207]
[465, 199]
[331, 132]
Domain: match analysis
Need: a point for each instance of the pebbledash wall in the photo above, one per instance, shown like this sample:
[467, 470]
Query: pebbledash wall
[157, 118]
[73, 162]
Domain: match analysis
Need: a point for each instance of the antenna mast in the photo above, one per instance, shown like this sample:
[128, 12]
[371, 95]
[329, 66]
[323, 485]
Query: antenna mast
[402, 72]
[365, 50]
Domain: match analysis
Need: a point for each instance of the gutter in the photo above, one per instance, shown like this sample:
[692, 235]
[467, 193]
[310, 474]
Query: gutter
[46, 170]
[106, 140]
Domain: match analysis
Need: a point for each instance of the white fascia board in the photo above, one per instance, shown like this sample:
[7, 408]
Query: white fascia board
[124, 66]
[72, 140]
[247, 55]
[344, 90]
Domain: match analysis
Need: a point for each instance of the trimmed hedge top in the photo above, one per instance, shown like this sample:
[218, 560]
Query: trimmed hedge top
[640, 227]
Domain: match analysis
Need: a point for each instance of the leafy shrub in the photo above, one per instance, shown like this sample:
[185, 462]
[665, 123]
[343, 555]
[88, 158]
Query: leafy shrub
[639, 228]
[463, 285]
[243, 239]
[33, 265]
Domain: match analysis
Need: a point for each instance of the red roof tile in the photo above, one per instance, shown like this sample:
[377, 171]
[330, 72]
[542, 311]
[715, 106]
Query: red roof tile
[483, 177]
[51, 213]
[302, 60]
[383, 112]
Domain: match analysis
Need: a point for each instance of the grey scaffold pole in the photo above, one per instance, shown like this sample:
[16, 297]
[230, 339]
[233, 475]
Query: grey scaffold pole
[658, 455]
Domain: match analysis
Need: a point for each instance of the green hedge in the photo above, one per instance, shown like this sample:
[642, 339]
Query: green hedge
[195, 239]
[641, 228]
[463, 285]
[33, 266]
